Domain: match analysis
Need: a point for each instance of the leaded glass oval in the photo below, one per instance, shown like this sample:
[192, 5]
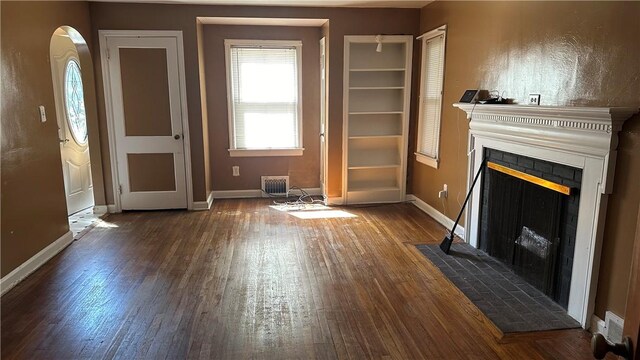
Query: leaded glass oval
[74, 102]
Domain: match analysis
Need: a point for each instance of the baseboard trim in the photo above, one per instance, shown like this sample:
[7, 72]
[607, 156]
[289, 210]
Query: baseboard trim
[112, 209]
[597, 326]
[257, 193]
[335, 200]
[203, 205]
[435, 214]
[100, 209]
[34, 263]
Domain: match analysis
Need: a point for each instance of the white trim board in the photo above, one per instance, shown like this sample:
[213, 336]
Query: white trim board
[100, 209]
[254, 21]
[257, 193]
[435, 214]
[34, 263]
[204, 205]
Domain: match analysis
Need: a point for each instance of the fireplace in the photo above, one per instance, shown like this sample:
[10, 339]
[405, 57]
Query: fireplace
[579, 142]
[528, 214]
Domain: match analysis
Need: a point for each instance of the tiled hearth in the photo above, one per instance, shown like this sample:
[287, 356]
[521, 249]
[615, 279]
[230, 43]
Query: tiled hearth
[505, 298]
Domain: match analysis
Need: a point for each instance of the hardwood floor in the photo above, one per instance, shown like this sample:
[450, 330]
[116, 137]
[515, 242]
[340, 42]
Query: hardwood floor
[247, 281]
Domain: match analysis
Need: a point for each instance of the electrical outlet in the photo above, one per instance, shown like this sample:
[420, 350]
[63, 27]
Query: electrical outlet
[236, 170]
[534, 99]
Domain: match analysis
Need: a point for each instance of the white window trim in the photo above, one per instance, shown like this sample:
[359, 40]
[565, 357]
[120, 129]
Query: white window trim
[233, 151]
[420, 157]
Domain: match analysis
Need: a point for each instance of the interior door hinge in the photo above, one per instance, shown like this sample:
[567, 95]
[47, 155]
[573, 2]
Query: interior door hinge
[120, 188]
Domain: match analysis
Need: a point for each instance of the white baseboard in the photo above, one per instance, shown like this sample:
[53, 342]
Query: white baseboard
[112, 209]
[100, 209]
[204, 205]
[597, 326]
[435, 214]
[244, 194]
[21, 272]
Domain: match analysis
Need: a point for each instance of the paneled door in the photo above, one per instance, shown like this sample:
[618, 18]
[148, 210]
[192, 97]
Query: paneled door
[147, 115]
[72, 123]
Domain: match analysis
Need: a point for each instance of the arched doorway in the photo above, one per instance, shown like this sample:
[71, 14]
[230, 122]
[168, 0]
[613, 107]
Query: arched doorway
[66, 47]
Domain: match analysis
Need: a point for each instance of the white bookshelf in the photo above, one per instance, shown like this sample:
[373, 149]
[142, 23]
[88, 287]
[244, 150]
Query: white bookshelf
[377, 90]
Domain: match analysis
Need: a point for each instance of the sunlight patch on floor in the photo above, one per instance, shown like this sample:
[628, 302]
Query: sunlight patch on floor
[103, 224]
[312, 211]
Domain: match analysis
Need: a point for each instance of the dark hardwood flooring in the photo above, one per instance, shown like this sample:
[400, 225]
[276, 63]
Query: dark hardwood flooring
[247, 281]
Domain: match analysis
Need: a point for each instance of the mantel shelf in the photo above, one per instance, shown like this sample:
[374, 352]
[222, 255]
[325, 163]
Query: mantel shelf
[556, 116]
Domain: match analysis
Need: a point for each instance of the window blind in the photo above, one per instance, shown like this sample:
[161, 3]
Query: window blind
[265, 100]
[433, 70]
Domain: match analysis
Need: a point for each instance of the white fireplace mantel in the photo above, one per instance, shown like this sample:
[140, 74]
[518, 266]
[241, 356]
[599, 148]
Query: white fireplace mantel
[581, 137]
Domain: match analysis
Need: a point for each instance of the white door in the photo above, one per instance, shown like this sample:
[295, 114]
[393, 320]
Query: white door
[72, 124]
[146, 103]
[323, 118]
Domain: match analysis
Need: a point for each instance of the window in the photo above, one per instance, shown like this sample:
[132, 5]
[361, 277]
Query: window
[74, 102]
[264, 97]
[433, 44]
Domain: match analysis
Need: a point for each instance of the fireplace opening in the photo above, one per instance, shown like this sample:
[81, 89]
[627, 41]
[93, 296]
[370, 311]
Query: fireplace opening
[529, 219]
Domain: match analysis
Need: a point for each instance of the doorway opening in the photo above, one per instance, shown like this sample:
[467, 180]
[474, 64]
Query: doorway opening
[67, 65]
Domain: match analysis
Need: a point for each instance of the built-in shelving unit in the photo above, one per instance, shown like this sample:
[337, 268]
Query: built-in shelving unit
[377, 90]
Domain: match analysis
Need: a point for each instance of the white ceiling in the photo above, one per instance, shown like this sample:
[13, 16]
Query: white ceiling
[323, 3]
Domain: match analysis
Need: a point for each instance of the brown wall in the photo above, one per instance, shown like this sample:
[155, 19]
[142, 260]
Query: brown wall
[571, 54]
[304, 171]
[114, 16]
[33, 204]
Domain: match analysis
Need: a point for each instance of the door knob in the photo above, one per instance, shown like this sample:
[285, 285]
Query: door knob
[176, 136]
[601, 346]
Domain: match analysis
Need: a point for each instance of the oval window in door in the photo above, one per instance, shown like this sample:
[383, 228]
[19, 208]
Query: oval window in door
[74, 102]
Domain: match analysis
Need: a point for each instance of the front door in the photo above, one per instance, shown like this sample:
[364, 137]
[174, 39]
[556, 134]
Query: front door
[72, 123]
[147, 112]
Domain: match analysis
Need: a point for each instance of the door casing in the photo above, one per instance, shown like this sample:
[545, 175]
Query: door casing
[324, 124]
[104, 57]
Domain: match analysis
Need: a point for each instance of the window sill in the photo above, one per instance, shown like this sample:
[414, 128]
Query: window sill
[421, 158]
[265, 152]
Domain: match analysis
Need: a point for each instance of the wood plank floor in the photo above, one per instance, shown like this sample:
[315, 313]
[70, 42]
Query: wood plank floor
[247, 281]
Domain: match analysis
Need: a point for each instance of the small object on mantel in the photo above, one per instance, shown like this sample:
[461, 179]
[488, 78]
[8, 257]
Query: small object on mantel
[496, 100]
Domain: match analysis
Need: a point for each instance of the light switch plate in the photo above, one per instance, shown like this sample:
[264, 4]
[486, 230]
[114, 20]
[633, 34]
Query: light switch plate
[43, 115]
[534, 99]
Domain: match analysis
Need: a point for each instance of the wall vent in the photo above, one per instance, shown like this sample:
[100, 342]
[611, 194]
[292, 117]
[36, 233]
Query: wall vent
[275, 186]
[613, 327]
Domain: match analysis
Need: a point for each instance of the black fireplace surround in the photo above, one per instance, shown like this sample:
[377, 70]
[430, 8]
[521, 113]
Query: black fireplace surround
[530, 228]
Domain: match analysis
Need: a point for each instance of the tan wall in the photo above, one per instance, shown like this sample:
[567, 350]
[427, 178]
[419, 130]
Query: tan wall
[304, 171]
[571, 54]
[115, 16]
[204, 109]
[33, 205]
